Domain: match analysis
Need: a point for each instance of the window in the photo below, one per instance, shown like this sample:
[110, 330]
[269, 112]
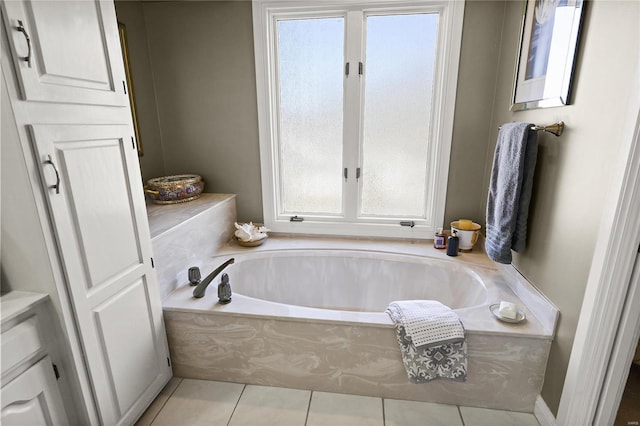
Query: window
[355, 105]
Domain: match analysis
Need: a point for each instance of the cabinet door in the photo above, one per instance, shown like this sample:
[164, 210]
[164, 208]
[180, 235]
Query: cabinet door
[33, 398]
[66, 51]
[94, 190]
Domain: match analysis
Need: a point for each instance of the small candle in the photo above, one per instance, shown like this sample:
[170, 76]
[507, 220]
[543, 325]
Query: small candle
[465, 224]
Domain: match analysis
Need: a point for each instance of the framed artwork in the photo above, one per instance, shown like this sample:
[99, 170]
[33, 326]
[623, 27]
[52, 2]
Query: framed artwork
[132, 99]
[548, 48]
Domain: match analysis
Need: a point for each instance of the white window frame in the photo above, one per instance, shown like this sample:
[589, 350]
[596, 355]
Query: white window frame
[265, 14]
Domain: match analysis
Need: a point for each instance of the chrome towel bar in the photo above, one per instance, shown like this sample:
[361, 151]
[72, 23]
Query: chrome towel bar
[555, 128]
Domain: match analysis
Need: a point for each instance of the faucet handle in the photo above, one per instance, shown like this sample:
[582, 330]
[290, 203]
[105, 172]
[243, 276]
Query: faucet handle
[194, 275]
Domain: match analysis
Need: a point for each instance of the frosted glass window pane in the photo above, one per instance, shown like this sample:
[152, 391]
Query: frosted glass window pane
[400, 56]
[310, 62]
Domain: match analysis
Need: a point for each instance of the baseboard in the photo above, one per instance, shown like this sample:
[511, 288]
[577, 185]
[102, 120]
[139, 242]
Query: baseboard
[543, 413]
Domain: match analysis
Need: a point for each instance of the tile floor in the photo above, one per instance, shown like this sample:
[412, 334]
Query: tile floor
[198, 402]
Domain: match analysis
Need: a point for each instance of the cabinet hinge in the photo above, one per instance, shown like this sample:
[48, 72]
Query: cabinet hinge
[168, 362]
[55, 371]
[124, 87]
[296, 219]
[152, 264]
[133, 143]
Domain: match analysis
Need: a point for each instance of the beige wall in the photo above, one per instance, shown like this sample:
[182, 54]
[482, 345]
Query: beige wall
[204, 75]
[572, 175]
[152, 162]
[482, 32]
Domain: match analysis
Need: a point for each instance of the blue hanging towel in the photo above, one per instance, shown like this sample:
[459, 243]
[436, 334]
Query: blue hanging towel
[514, 163]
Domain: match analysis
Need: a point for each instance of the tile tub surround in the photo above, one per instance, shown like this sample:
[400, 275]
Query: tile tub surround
[188, 234]
[505, 372]
[256, 342]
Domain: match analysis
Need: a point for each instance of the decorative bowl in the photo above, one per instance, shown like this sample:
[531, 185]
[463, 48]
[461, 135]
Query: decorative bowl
[249, 243]
[174, 189]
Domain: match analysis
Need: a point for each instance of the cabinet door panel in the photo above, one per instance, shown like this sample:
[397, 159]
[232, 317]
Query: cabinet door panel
[66, 51]
[100, 220]
[33, 398]
[129, 342]
[98, 194]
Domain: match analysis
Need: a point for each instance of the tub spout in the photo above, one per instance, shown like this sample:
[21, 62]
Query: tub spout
[202, 286]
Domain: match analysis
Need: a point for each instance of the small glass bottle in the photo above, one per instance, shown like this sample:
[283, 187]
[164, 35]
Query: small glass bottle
[453, 243]
[439, 239]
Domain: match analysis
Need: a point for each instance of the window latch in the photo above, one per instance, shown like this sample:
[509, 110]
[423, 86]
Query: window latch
[346, 173]
[358, 174]
[296, 219]
[346, 69]
[360, 68]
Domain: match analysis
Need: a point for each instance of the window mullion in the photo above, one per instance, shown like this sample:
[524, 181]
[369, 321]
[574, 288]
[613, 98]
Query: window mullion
[352, 113]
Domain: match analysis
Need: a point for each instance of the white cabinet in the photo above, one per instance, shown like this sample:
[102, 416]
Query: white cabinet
[92, 183]
[74, 125]
[33, 398]
[66, 51]
[30, 393]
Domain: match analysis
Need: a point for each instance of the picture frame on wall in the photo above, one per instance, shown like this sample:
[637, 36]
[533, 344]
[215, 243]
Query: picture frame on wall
[122, 31]
[547, 54]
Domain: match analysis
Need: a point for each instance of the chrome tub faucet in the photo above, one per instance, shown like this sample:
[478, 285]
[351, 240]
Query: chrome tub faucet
[201, 286]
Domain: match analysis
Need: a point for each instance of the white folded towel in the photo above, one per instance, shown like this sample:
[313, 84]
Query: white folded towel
[428, 322]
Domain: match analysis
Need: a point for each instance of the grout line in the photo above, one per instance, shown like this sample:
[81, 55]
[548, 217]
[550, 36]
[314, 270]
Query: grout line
[166, 400]
[460, 414]
[306, 419]
[384, 420]
[236, 406]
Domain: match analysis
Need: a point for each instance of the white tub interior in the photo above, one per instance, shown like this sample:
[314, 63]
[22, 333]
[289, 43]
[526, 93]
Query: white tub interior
[354, 281]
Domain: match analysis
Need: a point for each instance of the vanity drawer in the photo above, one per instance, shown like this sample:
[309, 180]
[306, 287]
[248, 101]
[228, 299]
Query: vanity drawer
[20, 343]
